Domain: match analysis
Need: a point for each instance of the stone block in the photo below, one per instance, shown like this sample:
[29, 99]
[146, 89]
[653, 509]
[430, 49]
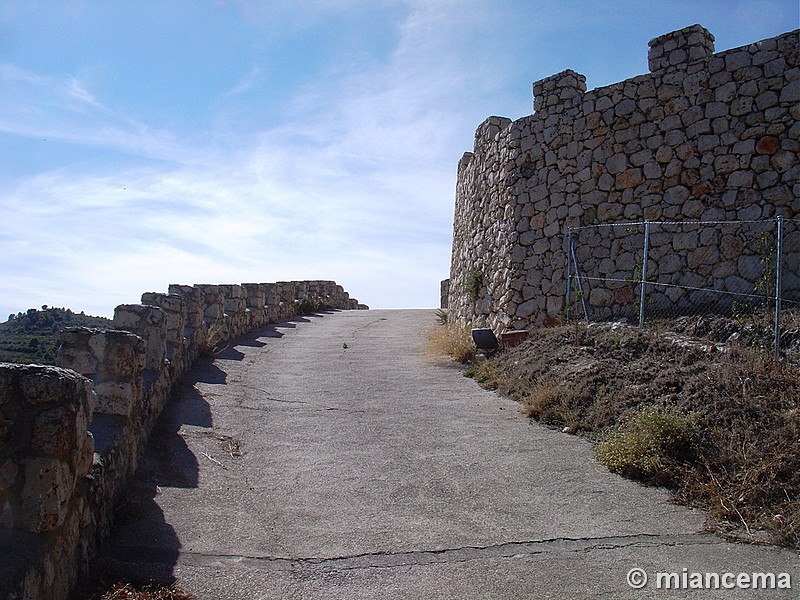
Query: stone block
[791, 92]
[76, 351]
[147, 322]
[742, 179]
[750, 267]
[45, 496]
[193, 301]
[705, 255]
[55, 430]
[783, 160]
[118, 397]
[726, 163]
[255, 294]
[526, 309]
[686, 240]
[628, 179]
[125, 356]
[725, 93]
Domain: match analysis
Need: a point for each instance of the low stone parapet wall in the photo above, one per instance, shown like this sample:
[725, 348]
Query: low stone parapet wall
[71, 435]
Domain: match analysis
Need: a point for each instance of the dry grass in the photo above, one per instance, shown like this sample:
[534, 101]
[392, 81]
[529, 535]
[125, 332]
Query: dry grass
[135, 591]
[231, 445]
[748, 468]
[150, 591]
[453, 340]
[209, 345]
[552, 402]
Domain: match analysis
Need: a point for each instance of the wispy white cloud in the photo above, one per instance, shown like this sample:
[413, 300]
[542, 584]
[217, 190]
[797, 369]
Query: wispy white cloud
[246, 84]
[77, 91]
[355, 186]
[64, 109]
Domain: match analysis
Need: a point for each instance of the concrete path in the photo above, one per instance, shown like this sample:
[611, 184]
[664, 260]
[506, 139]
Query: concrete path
[328, 457]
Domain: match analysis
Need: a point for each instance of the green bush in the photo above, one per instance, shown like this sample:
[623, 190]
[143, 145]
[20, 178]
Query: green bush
[309, 306]
[650, 445]
[474, 284]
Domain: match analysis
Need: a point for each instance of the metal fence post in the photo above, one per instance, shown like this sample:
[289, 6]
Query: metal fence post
[642, 294]
[568, 302]
[778, 265]
[581, 293]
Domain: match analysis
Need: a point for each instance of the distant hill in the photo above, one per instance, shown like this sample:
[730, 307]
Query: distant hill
[33, 336]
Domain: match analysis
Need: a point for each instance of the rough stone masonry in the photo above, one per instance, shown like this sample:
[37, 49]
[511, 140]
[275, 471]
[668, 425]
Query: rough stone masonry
[703, 136]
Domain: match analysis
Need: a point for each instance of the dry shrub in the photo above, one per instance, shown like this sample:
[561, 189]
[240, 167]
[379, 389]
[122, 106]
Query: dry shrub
[453, 340]
[748, 472]
[552, 402]
[785, 525]
[209, 345]
[748, 480]
[149, 590]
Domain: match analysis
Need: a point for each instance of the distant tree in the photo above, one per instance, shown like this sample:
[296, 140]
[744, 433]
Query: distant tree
[11, 317]
[33, 343]
[44, 306]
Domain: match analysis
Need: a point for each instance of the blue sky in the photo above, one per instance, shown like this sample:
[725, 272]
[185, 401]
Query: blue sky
[144, 143]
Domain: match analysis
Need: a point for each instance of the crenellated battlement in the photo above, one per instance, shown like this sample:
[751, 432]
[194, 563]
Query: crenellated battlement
[703, 136]
[558, 93]
[682, 50]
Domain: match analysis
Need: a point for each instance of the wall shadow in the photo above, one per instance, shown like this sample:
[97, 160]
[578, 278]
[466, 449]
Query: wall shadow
[268, 331]
[143, 547]
[204, 371]
[230, 352]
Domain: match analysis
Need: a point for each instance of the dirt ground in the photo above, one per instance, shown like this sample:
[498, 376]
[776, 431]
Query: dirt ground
[741, 459]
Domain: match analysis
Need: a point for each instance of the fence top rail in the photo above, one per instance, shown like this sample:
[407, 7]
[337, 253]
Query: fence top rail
[683, 287]
[687, 222]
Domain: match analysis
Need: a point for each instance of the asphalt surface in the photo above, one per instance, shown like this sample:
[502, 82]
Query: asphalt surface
[330, 457]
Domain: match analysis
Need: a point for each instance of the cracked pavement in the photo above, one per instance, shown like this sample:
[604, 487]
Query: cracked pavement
[329, 457]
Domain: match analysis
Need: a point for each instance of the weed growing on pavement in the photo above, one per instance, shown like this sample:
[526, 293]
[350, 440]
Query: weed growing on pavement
[453, 340]
[209, 345]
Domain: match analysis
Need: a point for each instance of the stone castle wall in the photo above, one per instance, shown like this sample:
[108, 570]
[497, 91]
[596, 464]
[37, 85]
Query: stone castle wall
[71, 436]
[703, 136]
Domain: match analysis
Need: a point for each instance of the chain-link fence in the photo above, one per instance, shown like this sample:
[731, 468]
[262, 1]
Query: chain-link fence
[644, 271]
